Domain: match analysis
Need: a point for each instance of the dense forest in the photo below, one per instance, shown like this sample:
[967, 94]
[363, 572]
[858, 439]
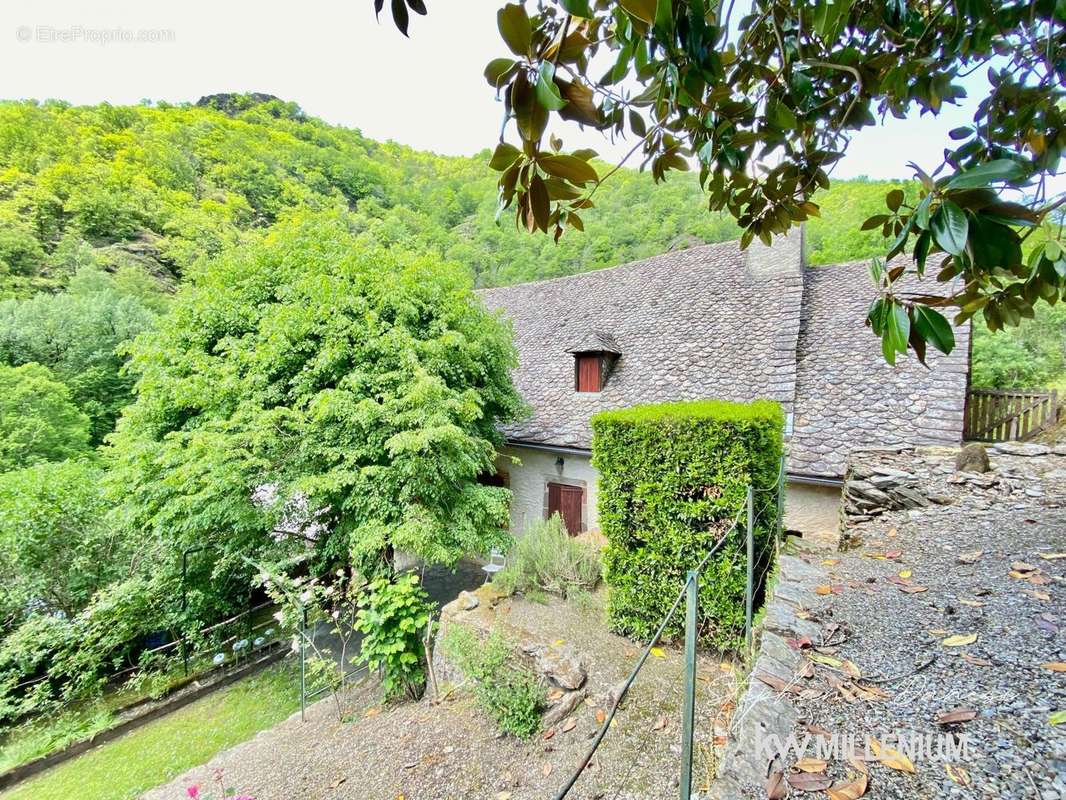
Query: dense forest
[122, 232]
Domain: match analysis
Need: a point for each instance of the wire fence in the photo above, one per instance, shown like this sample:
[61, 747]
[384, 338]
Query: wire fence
[746, 521]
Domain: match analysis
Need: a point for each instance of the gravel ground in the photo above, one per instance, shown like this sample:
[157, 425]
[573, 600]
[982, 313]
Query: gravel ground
[450, 750]
[974, 568]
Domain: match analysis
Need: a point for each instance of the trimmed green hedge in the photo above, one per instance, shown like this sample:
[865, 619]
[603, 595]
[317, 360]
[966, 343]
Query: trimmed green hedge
[673, 477]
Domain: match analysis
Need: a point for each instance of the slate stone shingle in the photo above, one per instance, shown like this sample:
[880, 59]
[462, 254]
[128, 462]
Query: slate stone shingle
[715, 322]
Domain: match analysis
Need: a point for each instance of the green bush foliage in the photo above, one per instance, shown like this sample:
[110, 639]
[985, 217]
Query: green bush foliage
[392, 618]
[38, 419]
[545, 557]
[673, 477]
[508, 692]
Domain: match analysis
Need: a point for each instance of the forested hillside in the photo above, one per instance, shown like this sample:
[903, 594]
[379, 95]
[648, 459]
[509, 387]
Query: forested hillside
[155, 189]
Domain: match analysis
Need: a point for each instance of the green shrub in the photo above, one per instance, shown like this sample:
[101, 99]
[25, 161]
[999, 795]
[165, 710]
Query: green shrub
[673, 477]
[509, 693]
[392, 618]
[547, 558]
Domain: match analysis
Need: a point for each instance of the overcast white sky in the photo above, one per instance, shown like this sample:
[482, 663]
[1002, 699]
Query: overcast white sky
[335, 61]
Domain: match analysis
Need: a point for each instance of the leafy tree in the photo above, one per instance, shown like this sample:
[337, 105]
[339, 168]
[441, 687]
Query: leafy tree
[766, 105]
[362, 384]
[79, 335]
[38, 419]
[55, 549]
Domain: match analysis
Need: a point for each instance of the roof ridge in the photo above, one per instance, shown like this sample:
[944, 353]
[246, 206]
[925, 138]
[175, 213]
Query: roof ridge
[616, 267]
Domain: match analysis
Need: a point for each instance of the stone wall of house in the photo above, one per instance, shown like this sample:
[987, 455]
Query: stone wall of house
[529, 477]
[812, 509]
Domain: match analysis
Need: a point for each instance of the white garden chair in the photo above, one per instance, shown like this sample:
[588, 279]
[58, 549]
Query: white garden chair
[497, 561]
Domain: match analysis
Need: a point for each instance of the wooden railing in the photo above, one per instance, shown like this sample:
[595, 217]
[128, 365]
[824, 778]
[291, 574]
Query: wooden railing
[999, 415]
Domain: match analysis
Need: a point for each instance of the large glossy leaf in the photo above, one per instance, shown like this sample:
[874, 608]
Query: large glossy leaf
[579, 8]
[547, 92]
[950, 228]
[897, 332]
[539, 202]
[400, 15]
[644, 10]
[504, 156]
[497, 70]
[569, 168]
[515, 28]
[933, 328]
[1002, 169]
[580, 103]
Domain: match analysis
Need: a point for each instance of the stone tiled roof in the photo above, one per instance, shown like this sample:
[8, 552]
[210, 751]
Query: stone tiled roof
[596, 342]
[691, 324]
[847, 396]
[715, 322]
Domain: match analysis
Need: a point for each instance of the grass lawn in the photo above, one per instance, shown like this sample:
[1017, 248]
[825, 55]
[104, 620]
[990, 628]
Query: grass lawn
[154, 754]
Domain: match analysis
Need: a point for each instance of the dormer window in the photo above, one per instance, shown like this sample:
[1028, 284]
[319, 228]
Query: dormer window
[594, 358]
[588, 372]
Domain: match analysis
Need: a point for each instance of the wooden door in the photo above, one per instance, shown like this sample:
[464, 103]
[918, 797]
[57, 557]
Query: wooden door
[566, 501]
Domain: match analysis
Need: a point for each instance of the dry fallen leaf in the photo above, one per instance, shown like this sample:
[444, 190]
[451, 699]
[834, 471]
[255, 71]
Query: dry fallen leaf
[894, 554]
[905, 573]
[569, 725]
[977, 662]
[971, 557]
[503, 796]
[957, 774]
[555, 694]
[1055, 666]
[809, 781]
[775, 786]
[1039, 595]
[851, 669]
[601, 715]
[660, 723]
[1052, 556]
[830, 562]
[912, 589]
[658, 652]
[549, 734]
[372, 712]
[808, 764]
[972, 603]
[960, 640]
[823, 590]
[893, 759]
[828, 661]
[1021, 566]
[546, 769]
[848, 791]
[956, 715]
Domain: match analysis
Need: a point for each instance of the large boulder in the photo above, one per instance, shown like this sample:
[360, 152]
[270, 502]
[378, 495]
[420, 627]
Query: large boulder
[972, 458]
[558, 664]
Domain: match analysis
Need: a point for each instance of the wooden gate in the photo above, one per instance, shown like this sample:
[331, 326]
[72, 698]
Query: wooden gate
[1000, 415]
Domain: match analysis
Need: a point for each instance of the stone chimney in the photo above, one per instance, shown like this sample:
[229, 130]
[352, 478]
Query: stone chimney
[784, 255]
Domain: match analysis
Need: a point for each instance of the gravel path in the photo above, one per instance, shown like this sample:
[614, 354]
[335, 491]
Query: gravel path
[951, 607]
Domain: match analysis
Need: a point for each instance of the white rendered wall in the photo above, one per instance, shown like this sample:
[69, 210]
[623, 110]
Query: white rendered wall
[529, 478]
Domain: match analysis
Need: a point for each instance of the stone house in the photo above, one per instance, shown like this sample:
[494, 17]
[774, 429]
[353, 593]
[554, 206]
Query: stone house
[714, 322]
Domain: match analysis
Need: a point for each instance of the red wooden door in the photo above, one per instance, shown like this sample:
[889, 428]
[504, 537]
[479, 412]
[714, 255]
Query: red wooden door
[566, 501]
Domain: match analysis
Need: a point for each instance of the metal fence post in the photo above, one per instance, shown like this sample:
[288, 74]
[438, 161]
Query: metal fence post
[303, 670]
[749, 584]
[692, 594]
[781, 500]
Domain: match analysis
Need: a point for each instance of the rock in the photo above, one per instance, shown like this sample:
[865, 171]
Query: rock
[562, 708]
[1021, 449]
[560, 666]
[972, 458]
[468, 601]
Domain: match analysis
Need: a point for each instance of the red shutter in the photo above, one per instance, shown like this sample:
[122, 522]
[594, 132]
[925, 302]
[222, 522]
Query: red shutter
[588, 373]
[566, 501]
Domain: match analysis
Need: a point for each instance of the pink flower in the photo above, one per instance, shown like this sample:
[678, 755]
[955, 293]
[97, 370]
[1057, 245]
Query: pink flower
[193, 791]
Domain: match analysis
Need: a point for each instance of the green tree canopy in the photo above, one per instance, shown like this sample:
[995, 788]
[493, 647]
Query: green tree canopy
[79, 334]
[55, 550]
[38, 419]
[354, 390]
